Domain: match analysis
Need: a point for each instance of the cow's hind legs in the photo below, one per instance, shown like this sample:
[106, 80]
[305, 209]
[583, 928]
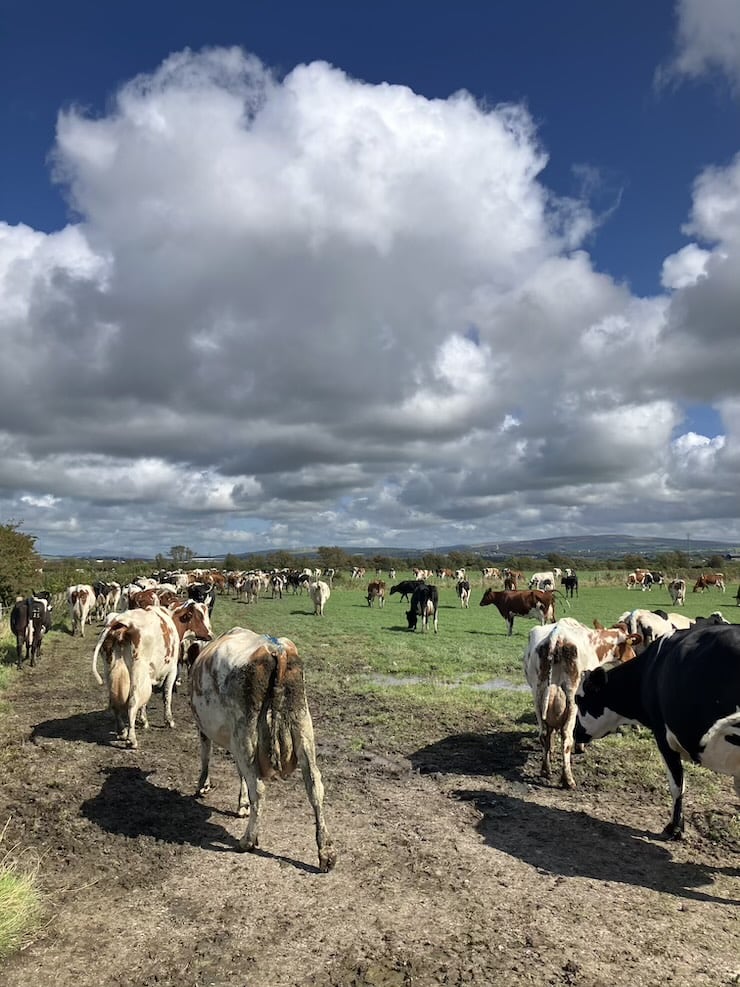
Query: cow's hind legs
[256, 789]
[306, 751]
[242, 808]
[204, 781]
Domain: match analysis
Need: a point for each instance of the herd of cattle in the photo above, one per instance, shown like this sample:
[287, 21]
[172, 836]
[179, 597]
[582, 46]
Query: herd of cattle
[679, 677]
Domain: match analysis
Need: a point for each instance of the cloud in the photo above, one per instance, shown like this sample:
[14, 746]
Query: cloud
[707, 40]
[312, 310]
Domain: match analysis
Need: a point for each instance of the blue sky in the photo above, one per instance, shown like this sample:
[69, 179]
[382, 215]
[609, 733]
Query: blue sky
[602, 140]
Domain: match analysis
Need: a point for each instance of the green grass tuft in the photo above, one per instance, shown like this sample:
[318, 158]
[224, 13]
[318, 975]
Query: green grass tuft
[20, 899]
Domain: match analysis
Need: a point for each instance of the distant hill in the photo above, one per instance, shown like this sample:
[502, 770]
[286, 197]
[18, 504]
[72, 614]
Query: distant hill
[597, 546]
[572, 546]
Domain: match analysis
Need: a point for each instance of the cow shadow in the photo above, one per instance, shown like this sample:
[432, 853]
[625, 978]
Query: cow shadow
[92, 727]
[567, 843]
[503, 753]
[130, 805]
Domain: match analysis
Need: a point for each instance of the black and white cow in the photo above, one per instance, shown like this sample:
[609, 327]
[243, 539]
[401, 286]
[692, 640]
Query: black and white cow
[570, 582]
[203, 593]
[686, 690]
[424, 604]
[30, 619]
[463, 591]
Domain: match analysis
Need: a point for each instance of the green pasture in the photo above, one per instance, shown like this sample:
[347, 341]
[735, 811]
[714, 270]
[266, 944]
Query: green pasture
[372, 647]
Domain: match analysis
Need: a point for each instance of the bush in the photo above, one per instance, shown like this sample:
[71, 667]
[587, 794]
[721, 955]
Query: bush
[20, 566]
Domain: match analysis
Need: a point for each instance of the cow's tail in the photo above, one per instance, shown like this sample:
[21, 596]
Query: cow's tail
[544, 677]
[96, 652]
[275, 734]
[115, 637]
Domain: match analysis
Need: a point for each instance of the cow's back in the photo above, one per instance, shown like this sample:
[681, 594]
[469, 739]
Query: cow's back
[692, 680]
[236, 680]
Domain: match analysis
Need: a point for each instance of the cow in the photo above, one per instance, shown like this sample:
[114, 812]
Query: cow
[81, 600]
[648, 625]
[709, 579]
[138, 599]
[425, 604]
[570, 582]
[30, 619]
[555, 658]
[247, 694]
[463, 591]
[203, 593]
[491, 572]
[107, 596]
[677, 592]
[522, 603]
[376, 591]
[406, 587]
[686, 690]
[141, 648]
[320, 594]
[641, 578]
[543, 580]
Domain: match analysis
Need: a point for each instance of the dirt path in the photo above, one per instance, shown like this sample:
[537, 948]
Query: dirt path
[455, 865]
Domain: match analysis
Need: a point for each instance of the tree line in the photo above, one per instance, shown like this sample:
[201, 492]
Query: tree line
[23, 571]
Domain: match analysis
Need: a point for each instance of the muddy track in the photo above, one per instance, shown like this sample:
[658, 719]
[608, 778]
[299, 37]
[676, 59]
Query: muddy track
[456, 866]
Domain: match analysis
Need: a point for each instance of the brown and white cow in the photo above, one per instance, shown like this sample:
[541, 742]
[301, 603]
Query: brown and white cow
[142, 648]
[521, 603]
[707, 580]
[81, 602]
[247, 693]
[376, 591]
[138, 599]
[555, 659]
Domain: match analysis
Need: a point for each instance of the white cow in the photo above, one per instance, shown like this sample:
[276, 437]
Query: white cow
[247, 693]
[320, 594]
[81, 601]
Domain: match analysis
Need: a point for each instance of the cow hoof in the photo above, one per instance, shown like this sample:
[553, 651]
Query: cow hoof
[246, 846]
[243, 811]
[203, 791]
[672, 832]
[327, 859]
[171, 724]
[131, 745]
[567, 783]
